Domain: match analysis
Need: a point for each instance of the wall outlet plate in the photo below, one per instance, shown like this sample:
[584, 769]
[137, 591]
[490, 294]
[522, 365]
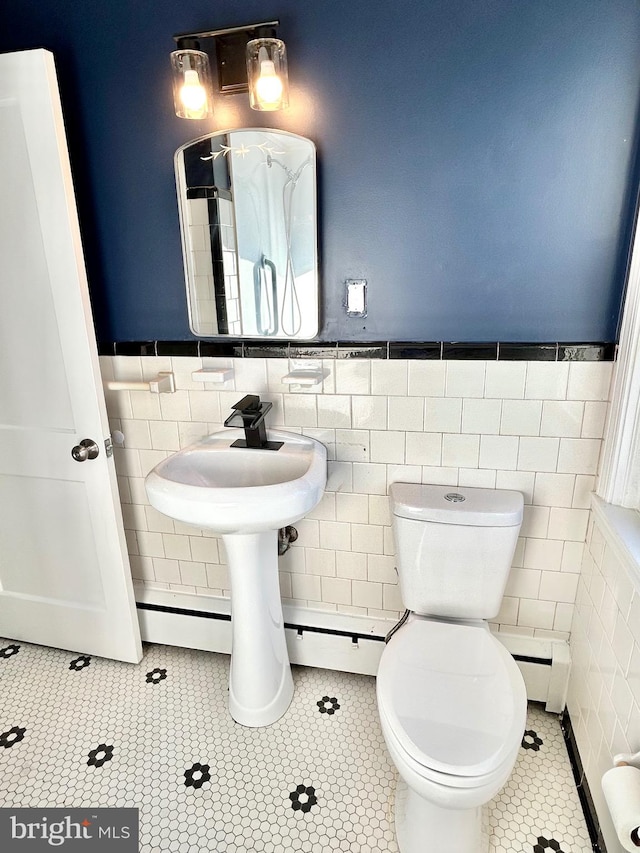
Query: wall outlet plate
[355, 302]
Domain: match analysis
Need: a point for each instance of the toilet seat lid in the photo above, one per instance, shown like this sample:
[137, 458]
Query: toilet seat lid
[453, 696]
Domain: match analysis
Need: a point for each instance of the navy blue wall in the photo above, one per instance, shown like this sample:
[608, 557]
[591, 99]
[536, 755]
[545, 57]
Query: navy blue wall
[476, 156]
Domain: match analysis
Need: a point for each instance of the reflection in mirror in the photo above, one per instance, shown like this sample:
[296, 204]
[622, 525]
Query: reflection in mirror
[247, 202]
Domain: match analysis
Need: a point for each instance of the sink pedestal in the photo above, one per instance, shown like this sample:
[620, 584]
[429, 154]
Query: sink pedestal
[260, 682]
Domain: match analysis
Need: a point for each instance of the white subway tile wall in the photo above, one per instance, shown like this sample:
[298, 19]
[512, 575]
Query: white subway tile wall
[531, 426]
[604, 688]
[203, 304]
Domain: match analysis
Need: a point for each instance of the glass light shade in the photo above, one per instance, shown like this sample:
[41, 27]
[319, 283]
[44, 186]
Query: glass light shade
[267, 74]
[191, 84]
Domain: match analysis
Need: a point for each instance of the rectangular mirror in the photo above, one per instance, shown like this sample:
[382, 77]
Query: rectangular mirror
[247, 201]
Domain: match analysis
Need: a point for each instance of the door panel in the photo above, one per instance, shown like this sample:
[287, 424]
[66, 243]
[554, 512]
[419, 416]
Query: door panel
[64, 572]
[28, 311]
[46, 565]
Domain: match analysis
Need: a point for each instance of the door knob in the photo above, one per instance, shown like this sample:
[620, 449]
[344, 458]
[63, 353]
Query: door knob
[87, 449]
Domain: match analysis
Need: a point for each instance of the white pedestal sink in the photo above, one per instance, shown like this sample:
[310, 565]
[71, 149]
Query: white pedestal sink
[247, 495]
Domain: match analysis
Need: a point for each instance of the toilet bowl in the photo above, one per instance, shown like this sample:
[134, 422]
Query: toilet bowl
[451, 699]
[452, 708]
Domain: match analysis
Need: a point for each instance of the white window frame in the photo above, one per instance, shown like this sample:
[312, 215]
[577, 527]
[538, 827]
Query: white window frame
[619, 481]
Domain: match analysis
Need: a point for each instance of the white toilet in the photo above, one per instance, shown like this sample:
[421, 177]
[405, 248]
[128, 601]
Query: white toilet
[451, 699]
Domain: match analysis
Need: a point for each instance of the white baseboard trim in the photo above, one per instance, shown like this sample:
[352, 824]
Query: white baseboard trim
[319, 638]
[545, 666]
[330, 640]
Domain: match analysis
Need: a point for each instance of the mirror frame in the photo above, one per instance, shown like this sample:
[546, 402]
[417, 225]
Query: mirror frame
[181, 188]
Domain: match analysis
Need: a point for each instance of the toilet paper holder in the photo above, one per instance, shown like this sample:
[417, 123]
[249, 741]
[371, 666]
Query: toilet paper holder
[621, 789]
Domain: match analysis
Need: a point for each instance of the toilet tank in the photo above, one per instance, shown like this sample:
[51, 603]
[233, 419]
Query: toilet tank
[454, 547]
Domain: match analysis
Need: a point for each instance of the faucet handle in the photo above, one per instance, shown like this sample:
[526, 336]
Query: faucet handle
[251, 410]
[250, 403]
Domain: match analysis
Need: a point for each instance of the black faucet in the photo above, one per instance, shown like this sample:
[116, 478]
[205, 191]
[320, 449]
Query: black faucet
[252, 412]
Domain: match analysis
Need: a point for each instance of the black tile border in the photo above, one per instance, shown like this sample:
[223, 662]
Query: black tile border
[586, 799]
[322, 350]
[177, 348]
[587, 352]
[527, 352]
[135, 348]
[355, 349]
[428, 350]
[265, 350]
[480, 352]
[222, 349]
[410, 350]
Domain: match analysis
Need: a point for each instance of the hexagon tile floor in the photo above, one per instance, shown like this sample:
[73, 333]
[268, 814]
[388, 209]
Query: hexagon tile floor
[82, 731]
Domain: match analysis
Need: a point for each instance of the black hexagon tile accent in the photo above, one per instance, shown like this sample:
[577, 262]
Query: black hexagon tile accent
[12, 736]
[80, 662]
[328, 705]
[197, 775]
[156, 676]
[9, 651]
[547, 844]
[100, 755]
[303, 798]
[531, 740]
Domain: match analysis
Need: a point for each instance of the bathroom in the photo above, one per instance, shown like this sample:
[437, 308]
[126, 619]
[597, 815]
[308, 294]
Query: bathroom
[494, 245]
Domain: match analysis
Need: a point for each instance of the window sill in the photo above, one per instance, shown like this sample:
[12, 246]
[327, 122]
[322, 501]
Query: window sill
[621, 530]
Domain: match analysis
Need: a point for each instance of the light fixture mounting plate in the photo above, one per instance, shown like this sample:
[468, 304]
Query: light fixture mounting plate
[230, 50]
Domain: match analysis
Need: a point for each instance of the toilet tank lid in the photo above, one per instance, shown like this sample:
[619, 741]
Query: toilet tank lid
[457, 505]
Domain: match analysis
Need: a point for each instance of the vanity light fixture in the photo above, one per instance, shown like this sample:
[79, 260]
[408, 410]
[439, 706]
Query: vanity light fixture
[249, 59]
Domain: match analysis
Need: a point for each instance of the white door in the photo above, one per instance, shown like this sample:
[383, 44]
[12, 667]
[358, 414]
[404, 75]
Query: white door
[64, 572]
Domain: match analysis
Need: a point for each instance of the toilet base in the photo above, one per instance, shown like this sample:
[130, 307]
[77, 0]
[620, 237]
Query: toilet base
[421, 825]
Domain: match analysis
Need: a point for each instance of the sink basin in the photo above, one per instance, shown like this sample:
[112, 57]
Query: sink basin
[247, 495]
[240, 490]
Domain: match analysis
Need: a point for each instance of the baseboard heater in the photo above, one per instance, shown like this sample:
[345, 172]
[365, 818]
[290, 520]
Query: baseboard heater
[330, 640]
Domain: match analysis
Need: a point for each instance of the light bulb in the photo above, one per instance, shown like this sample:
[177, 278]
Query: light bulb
[268, 84]
[193, 95]
[267, 74]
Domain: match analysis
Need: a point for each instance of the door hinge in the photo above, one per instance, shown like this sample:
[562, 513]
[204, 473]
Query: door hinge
[108, 446]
